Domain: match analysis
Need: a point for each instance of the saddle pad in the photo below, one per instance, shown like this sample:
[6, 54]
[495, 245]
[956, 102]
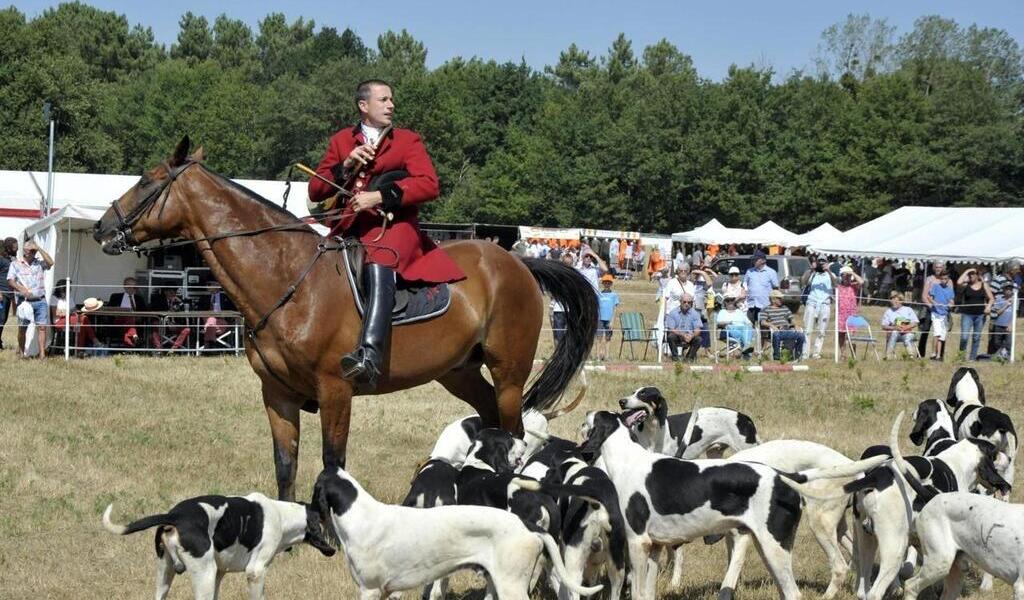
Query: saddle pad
[413, 303]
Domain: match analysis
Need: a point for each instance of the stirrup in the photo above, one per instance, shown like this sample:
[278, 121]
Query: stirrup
[358, 368]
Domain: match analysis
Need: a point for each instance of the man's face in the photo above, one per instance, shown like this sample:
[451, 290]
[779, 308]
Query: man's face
[776, 301]
[586, 260]
[759, 262]
[683, 274]
[129, 286]
[380, 108]
[939, 269]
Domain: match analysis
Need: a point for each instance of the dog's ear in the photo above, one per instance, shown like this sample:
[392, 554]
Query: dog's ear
[605, 423]
[660, 406]
[315, 532]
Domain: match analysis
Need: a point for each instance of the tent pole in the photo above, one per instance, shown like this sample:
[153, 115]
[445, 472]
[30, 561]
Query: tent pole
[1013, 327]
[68, 297]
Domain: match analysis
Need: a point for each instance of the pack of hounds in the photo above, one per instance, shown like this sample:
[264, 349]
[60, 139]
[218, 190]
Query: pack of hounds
[597, 516]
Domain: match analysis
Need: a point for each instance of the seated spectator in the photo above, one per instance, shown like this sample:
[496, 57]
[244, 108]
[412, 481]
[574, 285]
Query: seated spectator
[734, 286]
[682, 329]
[84, 335]
[217, 301]
[607, 300]
[733, 324]
[168, 302]
[1002, 319]
[130, 299]
[898, 323]
[779, 321]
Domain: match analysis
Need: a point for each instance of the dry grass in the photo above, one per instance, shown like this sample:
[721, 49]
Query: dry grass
[145, 433]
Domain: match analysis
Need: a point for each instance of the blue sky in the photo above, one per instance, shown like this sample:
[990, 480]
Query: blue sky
[779, 33]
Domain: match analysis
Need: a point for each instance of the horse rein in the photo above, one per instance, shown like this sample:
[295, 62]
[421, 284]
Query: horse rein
[124, 237]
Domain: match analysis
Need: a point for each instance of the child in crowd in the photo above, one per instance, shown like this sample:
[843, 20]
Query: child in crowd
[940, 296]
[607, 300]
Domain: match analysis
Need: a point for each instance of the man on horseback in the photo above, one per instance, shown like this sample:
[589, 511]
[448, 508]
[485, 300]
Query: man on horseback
[388, 170]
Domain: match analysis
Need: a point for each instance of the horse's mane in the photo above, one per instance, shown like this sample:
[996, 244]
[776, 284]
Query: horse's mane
[249, 193]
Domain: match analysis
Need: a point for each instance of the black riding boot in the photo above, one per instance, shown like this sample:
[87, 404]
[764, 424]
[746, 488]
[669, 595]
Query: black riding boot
[363, 365]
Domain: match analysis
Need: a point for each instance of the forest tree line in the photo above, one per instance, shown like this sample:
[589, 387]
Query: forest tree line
[634, 138]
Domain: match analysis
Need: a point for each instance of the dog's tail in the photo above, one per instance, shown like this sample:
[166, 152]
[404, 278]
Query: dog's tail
[826, 494]
[135, 526]
[558, 490]
[852, 469]
[564, 410]
[903, 470]
[551, 547]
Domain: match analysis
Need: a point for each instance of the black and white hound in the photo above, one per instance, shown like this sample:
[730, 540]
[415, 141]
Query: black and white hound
[588, 541]
[933, 427]
[885, 507]
[972, 419]
[669, 501]
[456, 438]
[712, 431]
[391, 548]
[209, 536]
[825, 517]
[983, 529]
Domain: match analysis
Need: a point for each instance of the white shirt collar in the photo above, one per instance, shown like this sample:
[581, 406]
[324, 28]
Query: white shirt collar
[371, 133]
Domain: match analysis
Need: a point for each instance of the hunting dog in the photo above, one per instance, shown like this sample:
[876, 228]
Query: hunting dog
[588, 541]
[885, 507]
[453, 444]
[972, 419]
[669, 501]
[209, 536]
[826, 518]
[957, 525]
[392, 548]
[681, 435]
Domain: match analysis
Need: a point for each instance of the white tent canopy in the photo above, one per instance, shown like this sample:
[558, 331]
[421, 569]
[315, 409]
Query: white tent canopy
[990, 235]
[771, 233]
[707, 233]
[713, 232]
[819, 235]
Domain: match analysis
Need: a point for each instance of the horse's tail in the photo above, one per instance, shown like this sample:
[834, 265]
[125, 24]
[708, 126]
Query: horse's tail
[569, 288]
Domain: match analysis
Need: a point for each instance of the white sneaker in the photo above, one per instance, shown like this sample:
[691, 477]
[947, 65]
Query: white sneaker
[816, 356]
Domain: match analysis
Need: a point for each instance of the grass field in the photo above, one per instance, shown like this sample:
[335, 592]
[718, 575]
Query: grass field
[147, 432]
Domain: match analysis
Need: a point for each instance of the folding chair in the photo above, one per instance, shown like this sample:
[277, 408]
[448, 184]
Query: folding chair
[858, 330]
[633, 330]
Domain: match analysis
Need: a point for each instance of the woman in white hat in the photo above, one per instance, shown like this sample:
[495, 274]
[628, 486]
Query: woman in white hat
[734, 286]
[848, 291]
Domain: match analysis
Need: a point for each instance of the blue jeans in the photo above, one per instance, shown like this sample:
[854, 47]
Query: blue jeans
[974, 324]
[786, 335]
[558, 324]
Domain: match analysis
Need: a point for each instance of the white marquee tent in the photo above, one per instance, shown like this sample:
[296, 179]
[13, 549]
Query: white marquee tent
[79, 199]
[713, 232]
[990, 235]
[819, 235]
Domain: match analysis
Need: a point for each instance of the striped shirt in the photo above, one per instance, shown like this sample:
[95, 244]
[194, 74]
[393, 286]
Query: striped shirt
[777, 316]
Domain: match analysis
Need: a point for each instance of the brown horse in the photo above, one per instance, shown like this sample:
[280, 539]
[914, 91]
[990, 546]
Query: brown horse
[494, 318]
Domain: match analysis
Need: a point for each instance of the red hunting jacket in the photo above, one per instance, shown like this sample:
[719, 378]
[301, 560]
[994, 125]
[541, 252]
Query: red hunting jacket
[403, 247]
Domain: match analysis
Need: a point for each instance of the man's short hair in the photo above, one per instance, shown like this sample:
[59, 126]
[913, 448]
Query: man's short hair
[363, 89]
[127, 279]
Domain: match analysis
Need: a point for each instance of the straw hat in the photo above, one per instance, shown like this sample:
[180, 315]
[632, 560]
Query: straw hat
[91, 304]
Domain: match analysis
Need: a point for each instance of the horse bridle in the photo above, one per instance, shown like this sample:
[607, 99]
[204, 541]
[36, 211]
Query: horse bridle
[124, 239]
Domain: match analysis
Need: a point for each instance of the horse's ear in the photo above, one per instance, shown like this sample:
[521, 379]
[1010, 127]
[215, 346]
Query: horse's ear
[198, 155]
[181, 152]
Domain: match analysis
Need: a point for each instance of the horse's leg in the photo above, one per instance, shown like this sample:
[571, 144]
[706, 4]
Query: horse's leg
[509, 380]
[284, 427]
[468, 384]
[335, 398]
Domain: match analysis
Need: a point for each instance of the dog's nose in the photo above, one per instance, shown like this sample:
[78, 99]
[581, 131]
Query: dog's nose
[622, 403]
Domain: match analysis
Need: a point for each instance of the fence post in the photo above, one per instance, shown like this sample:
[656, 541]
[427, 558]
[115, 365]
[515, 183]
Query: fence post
[1013, 327]
[835, 303]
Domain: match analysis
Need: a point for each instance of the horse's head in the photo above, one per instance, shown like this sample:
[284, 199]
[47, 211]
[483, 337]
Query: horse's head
[148, 210]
